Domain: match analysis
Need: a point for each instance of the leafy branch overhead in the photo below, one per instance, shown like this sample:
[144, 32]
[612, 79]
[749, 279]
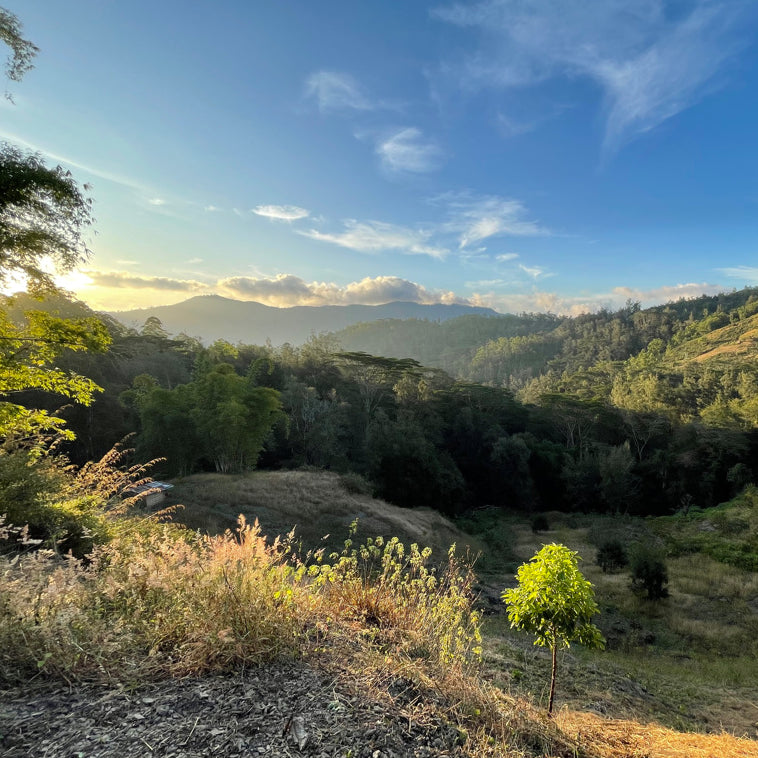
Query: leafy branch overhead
[43, 217]
[22, 50]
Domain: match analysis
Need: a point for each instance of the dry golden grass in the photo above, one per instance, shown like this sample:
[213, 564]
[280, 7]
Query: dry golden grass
[703, 576]
[159, 604]
[738, 348]
[166, 602]
[612, 738]
[314, 503]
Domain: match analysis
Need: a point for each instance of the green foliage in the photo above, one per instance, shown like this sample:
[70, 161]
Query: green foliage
[647, 564]
[727, 533]
[540, 523]
[424, 439]
[22, 50]
[611, 556]
[64, 508]
[27, 354]
[220, 417]
[232, 418]
[554, 602]
[43, 216]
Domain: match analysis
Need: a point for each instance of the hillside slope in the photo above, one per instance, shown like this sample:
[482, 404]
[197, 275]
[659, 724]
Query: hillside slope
[317, 504]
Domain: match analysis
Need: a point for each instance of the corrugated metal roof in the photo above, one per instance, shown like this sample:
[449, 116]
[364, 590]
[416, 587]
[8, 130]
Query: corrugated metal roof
[140, 489]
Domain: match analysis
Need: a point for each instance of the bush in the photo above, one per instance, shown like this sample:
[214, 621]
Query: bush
[611, 556]
[64, 508]
[648, 571]
[355, 484]
[540, 523]
[407, 602]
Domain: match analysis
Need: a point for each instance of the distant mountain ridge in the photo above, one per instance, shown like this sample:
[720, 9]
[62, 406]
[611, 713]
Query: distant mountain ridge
[212, 317]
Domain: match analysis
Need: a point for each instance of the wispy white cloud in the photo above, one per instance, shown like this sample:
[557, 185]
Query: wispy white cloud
[337, 91]
[746, 273]
[281, 212]
[468, 219]
[408, 151]
[127, 280]
[509, 127]
[144, 195]
[56, 157]
[377, 237]
[534, 271]
[476, 218]
[211, 209]
[485, 283]
[651, 58]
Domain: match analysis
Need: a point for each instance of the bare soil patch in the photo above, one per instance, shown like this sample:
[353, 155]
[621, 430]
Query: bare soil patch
[284, 709]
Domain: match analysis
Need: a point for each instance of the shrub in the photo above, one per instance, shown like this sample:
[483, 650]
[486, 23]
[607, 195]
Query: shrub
[611, 556]
[66, 509]
[540, 523]
[355, 484]
[425, 610]
[648, 571]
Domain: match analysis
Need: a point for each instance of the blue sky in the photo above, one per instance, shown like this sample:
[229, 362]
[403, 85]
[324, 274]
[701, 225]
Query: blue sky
[526, 155]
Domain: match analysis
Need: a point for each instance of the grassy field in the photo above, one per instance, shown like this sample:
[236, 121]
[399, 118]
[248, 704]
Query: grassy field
[158, 602]
[319, 505]
[688, 661]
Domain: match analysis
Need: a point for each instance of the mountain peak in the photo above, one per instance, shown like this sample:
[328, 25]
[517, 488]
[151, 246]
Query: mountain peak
[212, 317]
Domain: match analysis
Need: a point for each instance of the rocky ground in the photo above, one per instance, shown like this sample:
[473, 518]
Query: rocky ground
[286, 709]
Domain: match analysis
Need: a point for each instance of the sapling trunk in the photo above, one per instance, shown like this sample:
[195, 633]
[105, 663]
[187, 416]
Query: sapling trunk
[554, 647]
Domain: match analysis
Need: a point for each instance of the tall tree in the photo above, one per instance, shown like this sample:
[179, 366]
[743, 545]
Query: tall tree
[43, 216]
[555, 603]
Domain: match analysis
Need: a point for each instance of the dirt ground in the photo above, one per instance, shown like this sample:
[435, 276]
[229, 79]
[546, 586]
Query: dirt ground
[286, 709]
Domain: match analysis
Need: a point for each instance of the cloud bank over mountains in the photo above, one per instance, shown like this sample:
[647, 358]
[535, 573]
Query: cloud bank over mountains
[125, 290]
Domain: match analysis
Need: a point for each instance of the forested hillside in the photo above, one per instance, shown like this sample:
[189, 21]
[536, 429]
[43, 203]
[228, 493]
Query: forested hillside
[689, 360]
[634, 412]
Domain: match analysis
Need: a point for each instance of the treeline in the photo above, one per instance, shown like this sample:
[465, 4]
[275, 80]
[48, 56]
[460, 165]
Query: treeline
[418, 436]
[693, 360]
